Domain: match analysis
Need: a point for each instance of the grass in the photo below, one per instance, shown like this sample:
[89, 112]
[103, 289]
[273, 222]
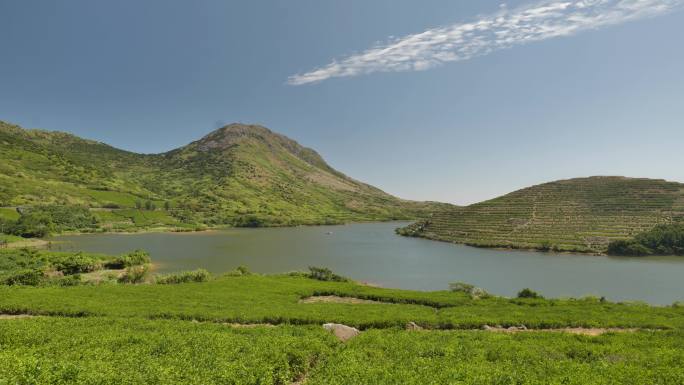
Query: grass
[482, 358]
[110, 351]
[185, 333]
[581, 215]
[275, 299]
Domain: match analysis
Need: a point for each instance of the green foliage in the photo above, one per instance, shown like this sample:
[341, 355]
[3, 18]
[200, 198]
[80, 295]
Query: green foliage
[199, 275]
[661, 240]
[27, 277]
[39, 221]
[528, 293]
[89, 351]
[325, 274]
[135, 258]
[70, 264]
[485, 358]
[471, 290]
[135, 274]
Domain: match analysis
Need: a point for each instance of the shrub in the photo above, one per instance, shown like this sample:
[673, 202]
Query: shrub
[27, 277]
[325, 274]
[70, 280]
[135, 274]
[661, 240]
[74, 264]
[471, 290]
[199, 275]
[136, 258]
[528, 293]
[461, 287]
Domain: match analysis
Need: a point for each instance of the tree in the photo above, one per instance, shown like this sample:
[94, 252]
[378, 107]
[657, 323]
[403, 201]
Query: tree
[167, 205]
[149, 205]
[138, 204]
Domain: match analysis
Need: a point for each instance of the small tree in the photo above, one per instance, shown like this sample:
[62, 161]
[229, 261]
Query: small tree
[138, 204]
[167, 205]
[149, 205]
[528, 293]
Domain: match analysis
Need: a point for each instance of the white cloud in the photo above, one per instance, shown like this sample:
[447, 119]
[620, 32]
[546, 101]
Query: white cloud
[504, 29]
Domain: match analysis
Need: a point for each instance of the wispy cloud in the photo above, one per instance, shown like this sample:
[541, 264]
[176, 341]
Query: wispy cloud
[503, 29]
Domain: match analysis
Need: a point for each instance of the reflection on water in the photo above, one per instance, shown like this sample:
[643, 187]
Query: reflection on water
[372, 252]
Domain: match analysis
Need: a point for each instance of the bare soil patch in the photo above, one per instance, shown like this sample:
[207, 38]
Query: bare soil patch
[336, 299]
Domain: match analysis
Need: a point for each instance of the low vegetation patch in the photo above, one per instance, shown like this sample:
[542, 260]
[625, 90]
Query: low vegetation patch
[199, 275]
[661, 240]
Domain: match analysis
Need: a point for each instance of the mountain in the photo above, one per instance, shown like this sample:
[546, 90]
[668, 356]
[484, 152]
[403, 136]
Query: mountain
[582, 214]
[238, 174]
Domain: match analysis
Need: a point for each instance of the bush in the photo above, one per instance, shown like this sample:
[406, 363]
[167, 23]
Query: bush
[529, 293]
[325, 274]
[27, 277]
[199, 275]
[135, 274]
[136, 258]
[661, 240]
[471, 290]
[70, 280]
[75, 264]
[39, 221]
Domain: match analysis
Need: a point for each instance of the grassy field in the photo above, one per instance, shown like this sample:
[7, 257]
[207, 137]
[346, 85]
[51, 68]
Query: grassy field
[244, 328]
[571, 215]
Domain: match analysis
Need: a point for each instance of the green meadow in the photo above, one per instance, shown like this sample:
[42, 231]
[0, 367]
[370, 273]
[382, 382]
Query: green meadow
[245, 328]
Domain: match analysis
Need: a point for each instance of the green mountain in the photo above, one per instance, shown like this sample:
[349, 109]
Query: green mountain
[239, 174]
[582, 214]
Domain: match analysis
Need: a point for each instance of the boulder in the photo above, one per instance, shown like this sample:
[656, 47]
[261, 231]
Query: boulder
[342, 332]
[413, 326]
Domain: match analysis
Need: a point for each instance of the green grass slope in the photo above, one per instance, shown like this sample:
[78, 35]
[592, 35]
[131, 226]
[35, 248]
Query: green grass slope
[254, 329]
[239, 174]
[582, 214]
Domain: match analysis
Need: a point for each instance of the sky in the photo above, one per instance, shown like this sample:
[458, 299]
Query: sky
[453, 101]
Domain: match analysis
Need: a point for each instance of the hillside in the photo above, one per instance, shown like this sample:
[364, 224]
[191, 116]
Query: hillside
[237, 175]
[582, 214]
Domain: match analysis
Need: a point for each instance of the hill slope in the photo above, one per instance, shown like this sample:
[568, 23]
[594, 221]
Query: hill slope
[238, 174]
[581, 214]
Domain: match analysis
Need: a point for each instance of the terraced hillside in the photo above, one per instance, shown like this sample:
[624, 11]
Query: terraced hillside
[582, 214]
[238, 174]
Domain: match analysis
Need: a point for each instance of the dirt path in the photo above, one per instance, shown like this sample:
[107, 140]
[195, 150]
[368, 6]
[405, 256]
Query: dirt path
[15, 316]
[578, 331]
[337, 299]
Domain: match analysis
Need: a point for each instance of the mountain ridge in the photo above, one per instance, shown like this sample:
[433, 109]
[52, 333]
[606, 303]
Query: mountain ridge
[234, 172]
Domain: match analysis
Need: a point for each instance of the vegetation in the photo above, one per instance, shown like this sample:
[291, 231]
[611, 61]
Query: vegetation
[199, 275]
[30, 267]
[661, 240]
[255, 329]
[580, 215]
[238, 175]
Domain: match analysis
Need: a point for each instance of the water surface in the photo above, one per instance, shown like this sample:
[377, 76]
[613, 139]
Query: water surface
[372, 252]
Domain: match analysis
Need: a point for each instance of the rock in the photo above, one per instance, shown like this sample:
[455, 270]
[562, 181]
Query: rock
[512, 329]
[413, 326]
[522, 327]
[342, 332]
[487, 327]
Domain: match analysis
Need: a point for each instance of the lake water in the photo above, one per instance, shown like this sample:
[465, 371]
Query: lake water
[372, 252]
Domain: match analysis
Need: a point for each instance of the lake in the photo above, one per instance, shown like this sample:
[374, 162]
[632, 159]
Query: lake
[373, 253]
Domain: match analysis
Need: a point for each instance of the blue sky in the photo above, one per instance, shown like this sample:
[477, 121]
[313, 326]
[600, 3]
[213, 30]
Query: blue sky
[405, 95]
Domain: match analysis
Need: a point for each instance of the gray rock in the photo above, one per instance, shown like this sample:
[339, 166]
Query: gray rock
[342, 332]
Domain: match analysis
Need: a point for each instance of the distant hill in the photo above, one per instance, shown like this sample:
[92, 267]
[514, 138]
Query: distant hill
[238, 174]
[582, 214]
